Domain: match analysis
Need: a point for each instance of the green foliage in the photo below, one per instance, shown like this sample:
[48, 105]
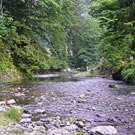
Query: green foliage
[87, 46]
[22, 26]
[129, 72]
[56, 64]
[116, 17]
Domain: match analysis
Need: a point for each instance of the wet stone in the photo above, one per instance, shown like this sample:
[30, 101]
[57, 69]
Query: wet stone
[71, 127]
[101, 115]
[39, 111]
[25, 120]
[61, 131]
[80, 124]
[94, 108]
[24, 115]
[39, 128]
[48, 126]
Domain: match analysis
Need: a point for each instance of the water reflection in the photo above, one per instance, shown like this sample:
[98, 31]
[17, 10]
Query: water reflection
[54, 79]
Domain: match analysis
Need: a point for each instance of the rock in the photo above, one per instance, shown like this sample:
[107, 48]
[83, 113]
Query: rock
[39, 123]
[62, 124]
[39, 128]
[119, 98]
[73, 101]
[46, 120]
[88, 90]
[19, 94]
[57, 123]
[2, 102]
[104, 130]
[8, 102]
[82, 101]
[20, 127]
[80, 124]
[25, 120]
[33, 133]
[101, 115]
[11, 101]
[18, 88]
[61, 131]
[73, 112]
[112, 120]
[82, 96]
[68, 123]
[132, 93]
[40, 111]
[94, 108]
[71, 127]
[24, 115]
[48, 126]
[112, 85]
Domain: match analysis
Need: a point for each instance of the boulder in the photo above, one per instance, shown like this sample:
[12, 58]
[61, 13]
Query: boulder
[104, 130]
[11, 101]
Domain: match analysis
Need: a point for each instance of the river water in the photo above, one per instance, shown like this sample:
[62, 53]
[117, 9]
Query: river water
[88, 98]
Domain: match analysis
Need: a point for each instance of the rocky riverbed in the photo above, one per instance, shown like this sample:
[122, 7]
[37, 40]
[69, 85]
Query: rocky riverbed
[89, 106]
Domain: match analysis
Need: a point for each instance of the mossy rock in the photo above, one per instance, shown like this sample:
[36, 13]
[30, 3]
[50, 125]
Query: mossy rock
[79, 133]
[113, 85]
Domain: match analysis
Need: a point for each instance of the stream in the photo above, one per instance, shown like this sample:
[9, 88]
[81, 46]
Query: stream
[89, 100]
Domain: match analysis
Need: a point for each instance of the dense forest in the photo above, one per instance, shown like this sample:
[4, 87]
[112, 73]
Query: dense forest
[39, 36]
[117, 49]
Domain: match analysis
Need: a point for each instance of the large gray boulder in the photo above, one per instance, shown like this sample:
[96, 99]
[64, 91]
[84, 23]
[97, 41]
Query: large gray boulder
[104, 130]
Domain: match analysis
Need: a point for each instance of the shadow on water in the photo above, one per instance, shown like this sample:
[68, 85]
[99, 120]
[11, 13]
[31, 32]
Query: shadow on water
[125, 88]
[55, 79]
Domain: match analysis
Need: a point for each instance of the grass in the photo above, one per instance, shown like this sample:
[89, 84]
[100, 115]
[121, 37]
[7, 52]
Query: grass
[4, 121]
[10, 116]
[14, 113]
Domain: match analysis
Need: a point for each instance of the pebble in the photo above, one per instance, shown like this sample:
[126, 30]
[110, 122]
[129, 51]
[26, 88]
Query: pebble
[80, 124]
[39, 128]
[60, 131]
[94, 108]
[24, 115]
[25, 120]
[40, 111]
[19, 94]
[82, 96]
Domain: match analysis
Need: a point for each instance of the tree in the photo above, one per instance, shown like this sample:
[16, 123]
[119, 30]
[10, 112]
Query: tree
[118, 18]
[89, 43]
[25, 23]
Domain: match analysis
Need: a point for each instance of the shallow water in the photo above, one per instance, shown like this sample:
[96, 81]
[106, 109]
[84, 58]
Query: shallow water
[62, 97]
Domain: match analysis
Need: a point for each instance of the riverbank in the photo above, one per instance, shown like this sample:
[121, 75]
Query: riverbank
[67, 108]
